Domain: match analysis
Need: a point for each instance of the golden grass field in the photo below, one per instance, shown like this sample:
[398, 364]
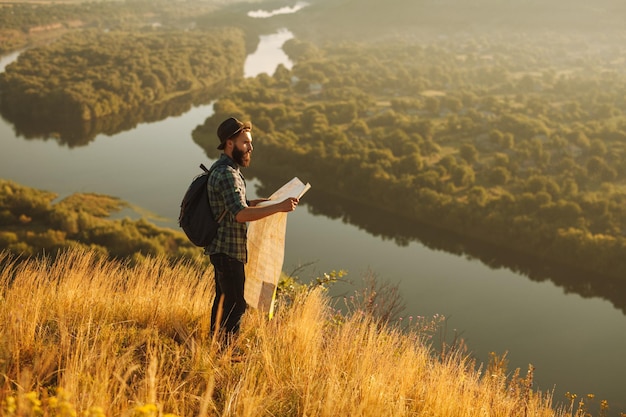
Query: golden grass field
[83, 336]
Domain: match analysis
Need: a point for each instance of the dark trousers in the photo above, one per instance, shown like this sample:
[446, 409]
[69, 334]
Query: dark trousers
[229, 284]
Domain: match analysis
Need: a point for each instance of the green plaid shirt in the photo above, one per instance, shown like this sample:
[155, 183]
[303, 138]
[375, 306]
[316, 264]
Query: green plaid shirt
[227, 191]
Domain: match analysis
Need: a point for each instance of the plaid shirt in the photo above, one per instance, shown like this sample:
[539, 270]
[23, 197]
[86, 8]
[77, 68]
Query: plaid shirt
[227, 191]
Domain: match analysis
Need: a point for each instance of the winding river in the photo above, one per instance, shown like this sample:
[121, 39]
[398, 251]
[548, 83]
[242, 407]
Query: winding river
[575, 344]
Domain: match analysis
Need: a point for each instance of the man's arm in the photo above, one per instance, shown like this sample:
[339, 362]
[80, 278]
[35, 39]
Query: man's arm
[253, 203]
[250, 214]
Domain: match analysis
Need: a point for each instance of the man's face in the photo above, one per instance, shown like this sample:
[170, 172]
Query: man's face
[242, 149]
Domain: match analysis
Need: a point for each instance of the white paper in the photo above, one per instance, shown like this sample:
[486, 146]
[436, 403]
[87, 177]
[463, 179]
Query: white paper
[294, 188]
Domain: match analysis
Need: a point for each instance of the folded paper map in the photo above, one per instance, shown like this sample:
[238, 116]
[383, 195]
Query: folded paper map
[266, 250]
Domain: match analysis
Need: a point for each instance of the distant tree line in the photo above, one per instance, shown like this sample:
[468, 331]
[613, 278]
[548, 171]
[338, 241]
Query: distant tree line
[23, 24]
[513, 142]
[32, 224]
[372, 20]
[91, 74]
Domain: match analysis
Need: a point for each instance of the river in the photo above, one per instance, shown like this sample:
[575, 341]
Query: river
[576, 344]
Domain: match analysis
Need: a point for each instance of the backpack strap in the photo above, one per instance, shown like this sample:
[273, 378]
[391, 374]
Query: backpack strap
[208, 171]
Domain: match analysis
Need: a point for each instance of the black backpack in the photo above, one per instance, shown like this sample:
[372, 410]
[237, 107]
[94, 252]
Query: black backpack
[196, 217]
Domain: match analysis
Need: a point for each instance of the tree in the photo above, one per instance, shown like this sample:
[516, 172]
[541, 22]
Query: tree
[597, 147]
[599, 169]
[478, 196]
[499, 175]
[410, 164]
[448, 162]
[469, 153]
[463, 176]
[359, 127]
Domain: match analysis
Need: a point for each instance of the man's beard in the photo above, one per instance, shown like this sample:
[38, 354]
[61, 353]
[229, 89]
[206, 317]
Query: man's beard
[238, 157]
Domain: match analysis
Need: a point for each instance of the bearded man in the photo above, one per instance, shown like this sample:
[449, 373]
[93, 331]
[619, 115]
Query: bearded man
[227, 197]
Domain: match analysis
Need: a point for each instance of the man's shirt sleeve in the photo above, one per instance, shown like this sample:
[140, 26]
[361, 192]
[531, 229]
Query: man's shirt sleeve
[233, 190]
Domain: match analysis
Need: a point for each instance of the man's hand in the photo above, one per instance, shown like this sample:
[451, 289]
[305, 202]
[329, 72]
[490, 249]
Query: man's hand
[288, 204]
[252, 213]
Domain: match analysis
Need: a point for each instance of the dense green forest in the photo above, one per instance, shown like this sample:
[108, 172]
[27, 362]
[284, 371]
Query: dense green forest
[24, 24]
[25, 16]
[90, 74]
[516, 141]
[33, 222]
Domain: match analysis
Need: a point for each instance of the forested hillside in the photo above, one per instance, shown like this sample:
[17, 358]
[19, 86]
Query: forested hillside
[32, 223]
[25, 24]
[91, 74]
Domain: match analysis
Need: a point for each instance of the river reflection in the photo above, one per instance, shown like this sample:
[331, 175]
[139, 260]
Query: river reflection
[402, 232]
[72, 133]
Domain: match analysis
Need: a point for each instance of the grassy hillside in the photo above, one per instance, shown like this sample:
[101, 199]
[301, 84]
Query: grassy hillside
[85, 335]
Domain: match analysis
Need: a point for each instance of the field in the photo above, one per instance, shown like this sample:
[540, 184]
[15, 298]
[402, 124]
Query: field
[82, 334]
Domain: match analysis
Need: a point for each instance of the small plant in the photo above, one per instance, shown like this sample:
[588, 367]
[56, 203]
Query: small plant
[30, 404]
[290, 286]
[583, 406]
[9, 406]
[378, 299]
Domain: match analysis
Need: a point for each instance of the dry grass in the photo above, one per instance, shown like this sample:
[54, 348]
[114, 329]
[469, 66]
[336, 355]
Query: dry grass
[135, 341]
